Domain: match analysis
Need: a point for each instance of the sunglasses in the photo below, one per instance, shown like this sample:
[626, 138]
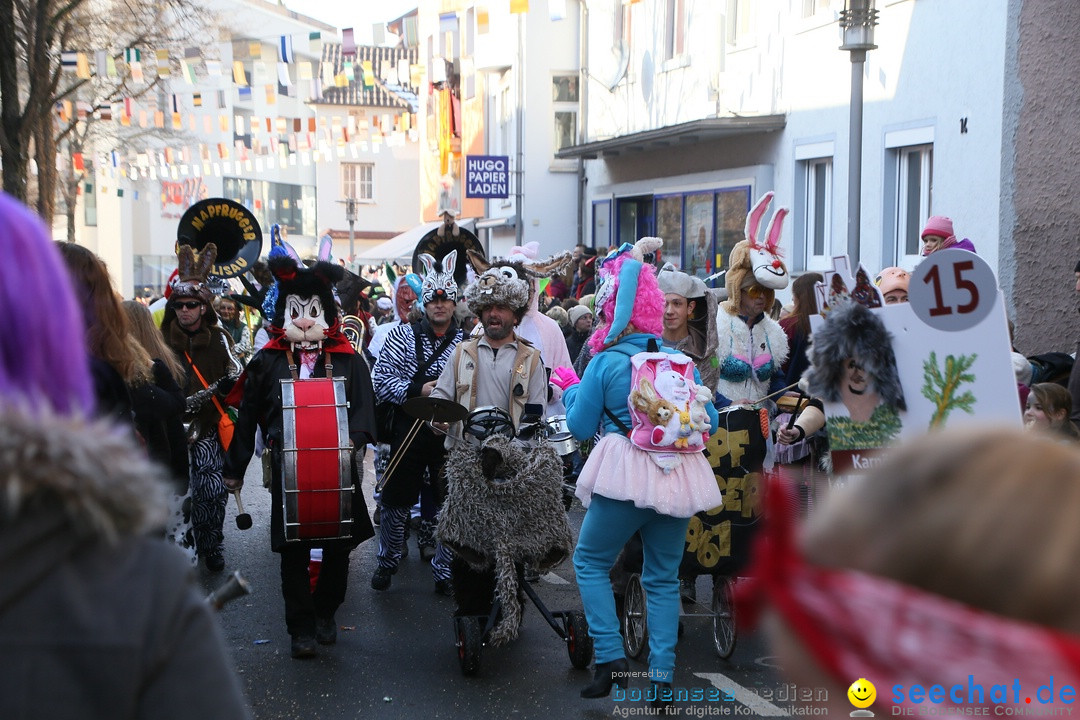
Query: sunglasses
[190, 305]
[755, 291]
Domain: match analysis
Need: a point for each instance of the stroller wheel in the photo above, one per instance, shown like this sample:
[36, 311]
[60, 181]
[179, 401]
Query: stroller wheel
[635, 618]
[723, 608]
[469, 644]
[579, 645]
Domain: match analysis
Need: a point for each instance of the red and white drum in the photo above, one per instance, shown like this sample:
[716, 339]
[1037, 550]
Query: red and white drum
[316, 467]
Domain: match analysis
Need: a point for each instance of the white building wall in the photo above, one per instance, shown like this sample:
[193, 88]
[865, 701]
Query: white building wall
[936, 62]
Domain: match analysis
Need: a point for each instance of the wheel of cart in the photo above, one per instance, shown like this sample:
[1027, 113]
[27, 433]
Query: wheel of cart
[723, 617]
[635, 619]
[470, 644]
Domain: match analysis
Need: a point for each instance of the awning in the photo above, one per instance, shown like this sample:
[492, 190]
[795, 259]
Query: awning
[695, 131]
[401, 246]
[496, 222]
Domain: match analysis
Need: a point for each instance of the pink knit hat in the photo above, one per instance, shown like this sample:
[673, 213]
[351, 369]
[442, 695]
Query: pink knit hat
[938, 225]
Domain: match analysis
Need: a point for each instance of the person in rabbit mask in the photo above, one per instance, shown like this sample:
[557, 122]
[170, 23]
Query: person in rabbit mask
[306, 342]
[409, 364]
[751, 346]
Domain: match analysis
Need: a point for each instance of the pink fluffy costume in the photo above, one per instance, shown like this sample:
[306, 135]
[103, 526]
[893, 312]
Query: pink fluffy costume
[624, 490]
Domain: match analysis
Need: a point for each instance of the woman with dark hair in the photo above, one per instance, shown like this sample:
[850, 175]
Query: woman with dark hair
[91, 601]
[116, 358]
[797, 325]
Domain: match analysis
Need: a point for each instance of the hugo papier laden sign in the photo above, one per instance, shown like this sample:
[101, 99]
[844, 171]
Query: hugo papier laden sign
[487, 176]
[227, 224]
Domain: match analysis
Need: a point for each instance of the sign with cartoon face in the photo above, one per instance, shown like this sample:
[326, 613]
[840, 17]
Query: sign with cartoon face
[886, 372]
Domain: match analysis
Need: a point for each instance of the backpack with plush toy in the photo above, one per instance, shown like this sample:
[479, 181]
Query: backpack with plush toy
[666, 406]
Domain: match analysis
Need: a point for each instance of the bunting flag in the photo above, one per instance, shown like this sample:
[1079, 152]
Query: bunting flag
[100, 64]
[255, 50]
[238, 74]
[159, 119]
[378, 34]
[304, 68]
[328, 76]
[196, 100]
[244, 93]
[315, 42]
[285, 49]
[369, 74]
[163, 68]
[110, 66]
[187, 68]
[557, 9]
[132, 55]
[135, 66]
[283, 74]
[213, 68]
[403, 72]
[348, 71]
[271, 95]
[482, 20]
[519, 6]
[348, 43]
[69, 60]
[259, 74]
[82, 66]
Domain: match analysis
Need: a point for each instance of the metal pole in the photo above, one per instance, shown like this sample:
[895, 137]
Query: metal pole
[858, 59]
[350, 212]
[518, 194]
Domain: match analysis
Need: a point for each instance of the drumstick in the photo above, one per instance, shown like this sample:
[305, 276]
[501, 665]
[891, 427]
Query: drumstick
[798, 402]
[396, 459]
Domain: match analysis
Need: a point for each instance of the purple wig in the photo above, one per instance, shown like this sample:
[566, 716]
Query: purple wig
[648, 303]
[43, 359]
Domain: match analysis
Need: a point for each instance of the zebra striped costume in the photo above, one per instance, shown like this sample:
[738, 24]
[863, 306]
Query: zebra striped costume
[395, 378]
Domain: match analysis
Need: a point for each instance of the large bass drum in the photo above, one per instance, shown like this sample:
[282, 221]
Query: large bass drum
[316, 462]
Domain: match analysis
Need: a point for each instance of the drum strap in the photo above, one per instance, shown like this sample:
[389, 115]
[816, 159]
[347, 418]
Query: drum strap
[292, 365]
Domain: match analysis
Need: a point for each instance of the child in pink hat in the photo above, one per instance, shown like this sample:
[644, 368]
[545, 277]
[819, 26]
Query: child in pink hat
[938, 234]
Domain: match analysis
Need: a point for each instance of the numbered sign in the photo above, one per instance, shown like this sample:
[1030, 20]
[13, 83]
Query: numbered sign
[952, 290]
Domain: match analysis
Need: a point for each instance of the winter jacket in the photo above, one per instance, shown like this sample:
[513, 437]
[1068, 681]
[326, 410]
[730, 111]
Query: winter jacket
[99, 616]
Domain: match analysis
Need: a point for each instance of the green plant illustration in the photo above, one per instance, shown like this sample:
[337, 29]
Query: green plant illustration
[943, 389]
[878, 431]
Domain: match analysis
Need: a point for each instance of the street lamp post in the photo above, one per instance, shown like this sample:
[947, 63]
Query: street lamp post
[350, 216]
[857, 19]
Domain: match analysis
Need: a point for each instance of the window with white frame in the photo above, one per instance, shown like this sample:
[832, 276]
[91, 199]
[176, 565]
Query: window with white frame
[675, 29]
[913, 197]
[621, 37]
[739, 22]
[810, 8]
[358, 181]
[564, 99]
[818, 207]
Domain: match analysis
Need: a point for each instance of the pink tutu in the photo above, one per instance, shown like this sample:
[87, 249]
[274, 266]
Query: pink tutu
[619, 471]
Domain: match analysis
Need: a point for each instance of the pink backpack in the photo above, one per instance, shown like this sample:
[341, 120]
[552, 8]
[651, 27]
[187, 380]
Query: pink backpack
[666, 406]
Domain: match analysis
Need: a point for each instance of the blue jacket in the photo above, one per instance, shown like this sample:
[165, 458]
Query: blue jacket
[607, 384]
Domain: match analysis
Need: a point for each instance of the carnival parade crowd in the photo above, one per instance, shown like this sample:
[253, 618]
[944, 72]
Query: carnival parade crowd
[125, 429]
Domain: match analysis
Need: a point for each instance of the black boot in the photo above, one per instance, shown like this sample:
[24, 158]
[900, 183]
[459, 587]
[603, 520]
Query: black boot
[606, 675]
[663, 699]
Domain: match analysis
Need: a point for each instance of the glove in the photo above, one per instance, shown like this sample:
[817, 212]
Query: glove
[564, 377]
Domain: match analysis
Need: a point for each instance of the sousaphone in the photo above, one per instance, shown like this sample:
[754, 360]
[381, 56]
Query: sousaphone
[230, 226]
[440, 241]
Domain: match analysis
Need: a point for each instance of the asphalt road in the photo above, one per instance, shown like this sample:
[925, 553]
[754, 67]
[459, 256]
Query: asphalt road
[396, 654]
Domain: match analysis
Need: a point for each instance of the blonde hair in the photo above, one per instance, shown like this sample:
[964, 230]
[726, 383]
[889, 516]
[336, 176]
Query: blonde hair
[983, 516]
[150, 339]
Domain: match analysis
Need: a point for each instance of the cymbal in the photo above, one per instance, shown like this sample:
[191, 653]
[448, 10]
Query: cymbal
[435, 409]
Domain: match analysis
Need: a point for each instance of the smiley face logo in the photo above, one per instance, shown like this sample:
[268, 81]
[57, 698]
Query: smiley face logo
[862, 693]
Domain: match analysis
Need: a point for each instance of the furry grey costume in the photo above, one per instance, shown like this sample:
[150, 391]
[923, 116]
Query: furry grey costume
[98, 618]
[509, 512]
[852, 331]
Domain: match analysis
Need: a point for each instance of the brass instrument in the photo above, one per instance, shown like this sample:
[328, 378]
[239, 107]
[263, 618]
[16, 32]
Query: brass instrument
[230, 226]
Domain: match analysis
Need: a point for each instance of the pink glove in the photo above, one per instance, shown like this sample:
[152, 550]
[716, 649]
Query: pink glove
[564, 377]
